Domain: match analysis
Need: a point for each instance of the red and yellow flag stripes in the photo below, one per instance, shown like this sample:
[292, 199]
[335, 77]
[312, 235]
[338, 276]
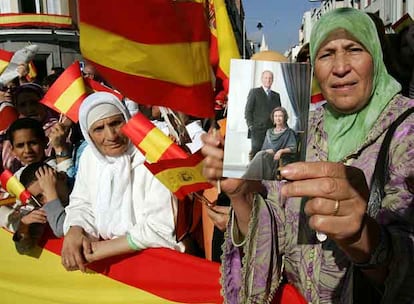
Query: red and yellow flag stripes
[222, 31]
[163, 59]
[172, 166]
[181, 176]
[151, 141]
[14, 187]
[223, 45]
[67, 93]
[41, 20]
[95, 86]
[5, 58]
[152, 276]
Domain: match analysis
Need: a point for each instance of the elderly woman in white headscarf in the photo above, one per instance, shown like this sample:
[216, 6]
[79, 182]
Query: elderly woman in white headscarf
[117, 206]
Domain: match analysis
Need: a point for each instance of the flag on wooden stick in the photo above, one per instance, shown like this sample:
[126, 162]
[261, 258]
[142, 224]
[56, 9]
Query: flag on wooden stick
[162, 60]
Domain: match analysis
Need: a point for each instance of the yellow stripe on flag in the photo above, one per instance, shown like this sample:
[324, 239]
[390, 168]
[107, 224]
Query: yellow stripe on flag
[182, 176]
[41, 279]
[155, 143]
[3, 65]
[227, 44]
[6, 19]
[166, 62]
[73, 92]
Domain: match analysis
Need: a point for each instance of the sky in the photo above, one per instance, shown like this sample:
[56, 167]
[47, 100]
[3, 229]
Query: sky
[281, 20]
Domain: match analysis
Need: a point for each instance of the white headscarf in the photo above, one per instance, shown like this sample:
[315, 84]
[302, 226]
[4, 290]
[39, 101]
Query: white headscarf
[113, 208]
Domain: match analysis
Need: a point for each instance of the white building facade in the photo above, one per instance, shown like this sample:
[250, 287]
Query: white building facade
[389, 11]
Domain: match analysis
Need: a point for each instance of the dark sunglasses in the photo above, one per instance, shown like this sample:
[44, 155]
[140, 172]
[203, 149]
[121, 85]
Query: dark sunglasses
[5, 89]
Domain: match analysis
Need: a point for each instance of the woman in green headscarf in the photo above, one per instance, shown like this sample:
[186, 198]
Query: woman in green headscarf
[368, 256]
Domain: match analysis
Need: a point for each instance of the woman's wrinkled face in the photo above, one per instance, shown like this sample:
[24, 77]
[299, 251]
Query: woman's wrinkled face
[345, 72]
[107, 136]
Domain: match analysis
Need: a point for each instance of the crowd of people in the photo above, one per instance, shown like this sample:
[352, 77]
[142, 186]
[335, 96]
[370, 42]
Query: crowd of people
[97, 193]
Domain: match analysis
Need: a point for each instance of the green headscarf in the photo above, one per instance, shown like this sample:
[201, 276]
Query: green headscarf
[346, 132]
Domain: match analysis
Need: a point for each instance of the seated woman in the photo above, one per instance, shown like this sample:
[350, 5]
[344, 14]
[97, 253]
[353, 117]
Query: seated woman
[279, 148]
[117, 206]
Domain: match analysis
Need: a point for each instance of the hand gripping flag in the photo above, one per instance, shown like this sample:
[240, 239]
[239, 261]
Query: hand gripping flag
[163, 59]
[14, 187]
[67, 93]
[173, 167]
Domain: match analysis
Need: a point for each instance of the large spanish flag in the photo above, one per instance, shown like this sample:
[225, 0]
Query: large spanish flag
[161, 58]
[149, 276]
[37, 20]
[5, 58]
[67, 93]
[223, 44]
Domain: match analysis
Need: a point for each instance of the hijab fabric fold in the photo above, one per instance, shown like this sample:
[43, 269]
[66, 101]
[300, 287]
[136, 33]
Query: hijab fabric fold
[347, 132]
[113, 208]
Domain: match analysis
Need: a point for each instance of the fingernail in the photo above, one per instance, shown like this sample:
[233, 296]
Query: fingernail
[285, 170]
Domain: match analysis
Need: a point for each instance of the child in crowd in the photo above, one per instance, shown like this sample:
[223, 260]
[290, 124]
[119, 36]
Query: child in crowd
[28, 142]
[51, 189]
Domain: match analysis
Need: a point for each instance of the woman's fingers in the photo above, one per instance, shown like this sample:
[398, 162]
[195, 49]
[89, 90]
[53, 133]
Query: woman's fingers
[338, 227]
[310, 170]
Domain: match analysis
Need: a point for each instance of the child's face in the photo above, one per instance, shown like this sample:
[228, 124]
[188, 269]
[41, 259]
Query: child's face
[27, 147]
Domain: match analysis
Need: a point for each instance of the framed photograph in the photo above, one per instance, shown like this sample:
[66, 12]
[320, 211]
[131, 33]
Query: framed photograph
[267, 118]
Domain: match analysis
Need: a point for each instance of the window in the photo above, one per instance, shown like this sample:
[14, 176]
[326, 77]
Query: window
[30, 6]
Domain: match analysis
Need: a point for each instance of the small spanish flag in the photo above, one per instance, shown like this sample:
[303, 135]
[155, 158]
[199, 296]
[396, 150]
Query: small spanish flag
[5, 58]
[404, 22]
[14, 187]
[172, 166]
[164, 58]
[151, 141]
[32, 71]
[317, 95]
[67, 93]
[181, 176]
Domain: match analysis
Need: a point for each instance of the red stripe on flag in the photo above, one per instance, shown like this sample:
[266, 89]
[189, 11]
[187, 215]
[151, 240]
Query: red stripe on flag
[164, 272]
[163, 93]
[5, 55]
[59, 87]
[98, 87]
[174, 164]
[138, 128]
[7, 177]
[151, 19]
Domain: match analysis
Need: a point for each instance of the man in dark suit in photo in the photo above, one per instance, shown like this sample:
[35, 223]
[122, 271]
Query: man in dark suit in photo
[260, 103]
